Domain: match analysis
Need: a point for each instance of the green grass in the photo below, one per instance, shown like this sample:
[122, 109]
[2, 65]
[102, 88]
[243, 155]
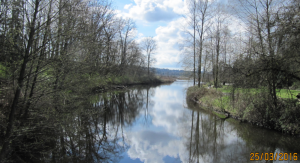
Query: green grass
[282, 93]
[224, 102]
[252, 105]
[285, 93]
[219, 115]
[2, 71]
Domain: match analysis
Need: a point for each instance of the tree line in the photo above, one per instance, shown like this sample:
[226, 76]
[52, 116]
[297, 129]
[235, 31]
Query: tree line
[254, 46]
[50, 49]
[260, 50]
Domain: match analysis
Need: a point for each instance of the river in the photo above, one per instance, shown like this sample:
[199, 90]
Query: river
[152, 124]
[164, 128]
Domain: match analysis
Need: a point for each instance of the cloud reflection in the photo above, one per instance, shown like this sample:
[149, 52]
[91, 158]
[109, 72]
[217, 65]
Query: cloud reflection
[195, 136]
[152, 146]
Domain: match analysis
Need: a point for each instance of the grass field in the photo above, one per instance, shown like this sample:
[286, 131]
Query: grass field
[282, 93]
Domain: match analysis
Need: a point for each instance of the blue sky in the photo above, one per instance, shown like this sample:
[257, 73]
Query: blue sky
[164, 21]
[161, 19]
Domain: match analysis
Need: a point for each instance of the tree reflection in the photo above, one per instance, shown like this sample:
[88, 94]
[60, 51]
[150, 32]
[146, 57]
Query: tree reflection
[90, 129]
[207, 137]
[212, 139]
[150, 92]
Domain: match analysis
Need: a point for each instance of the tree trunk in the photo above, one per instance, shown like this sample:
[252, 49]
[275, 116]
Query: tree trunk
[20, 83]
[194, 42]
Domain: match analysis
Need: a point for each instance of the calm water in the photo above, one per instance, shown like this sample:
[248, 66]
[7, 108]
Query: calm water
[167, 129]
[152, 124]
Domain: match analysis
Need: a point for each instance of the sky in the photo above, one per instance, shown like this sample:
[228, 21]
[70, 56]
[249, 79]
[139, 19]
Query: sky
[160, 19]
[164, 21]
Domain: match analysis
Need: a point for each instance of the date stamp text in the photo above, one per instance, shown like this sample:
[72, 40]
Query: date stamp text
[273, 156]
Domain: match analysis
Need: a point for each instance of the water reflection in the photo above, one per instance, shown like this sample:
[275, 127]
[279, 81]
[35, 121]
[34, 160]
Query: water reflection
[157, 140]
[143, 124]
[95, 132]
[215, 140]
[176, 133]
[90, 130]
[210, 142]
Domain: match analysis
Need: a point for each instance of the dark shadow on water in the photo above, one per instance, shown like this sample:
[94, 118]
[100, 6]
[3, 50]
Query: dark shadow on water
[215, 140]
[80, 128]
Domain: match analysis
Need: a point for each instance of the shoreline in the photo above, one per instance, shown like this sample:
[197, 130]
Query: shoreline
[105, 88]
[227, 114]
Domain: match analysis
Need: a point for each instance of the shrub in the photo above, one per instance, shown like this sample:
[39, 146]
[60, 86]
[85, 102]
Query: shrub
[296, 85]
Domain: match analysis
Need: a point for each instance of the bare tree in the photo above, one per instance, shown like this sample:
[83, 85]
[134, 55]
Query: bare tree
[198, 18]
[26, 55]
[191, 18]
[217, 33]
[265, 43]
[203, 15]
[149, 45]
[127, 27]
[49, 48]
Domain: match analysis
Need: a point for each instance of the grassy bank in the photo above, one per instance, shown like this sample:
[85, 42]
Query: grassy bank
[252, 105]
[281, 93]
[123, 81]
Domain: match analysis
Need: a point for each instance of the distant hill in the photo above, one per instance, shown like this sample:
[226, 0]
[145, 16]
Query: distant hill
[168, 72]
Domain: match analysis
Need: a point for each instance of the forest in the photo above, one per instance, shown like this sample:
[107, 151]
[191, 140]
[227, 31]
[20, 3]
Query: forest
[54, 51]
[254, 46]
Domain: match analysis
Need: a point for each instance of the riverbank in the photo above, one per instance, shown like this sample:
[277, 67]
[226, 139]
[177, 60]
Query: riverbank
[123, 85]
[251, 107]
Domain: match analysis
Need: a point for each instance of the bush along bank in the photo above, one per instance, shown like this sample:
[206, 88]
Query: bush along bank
[250, 106]
[124, 82]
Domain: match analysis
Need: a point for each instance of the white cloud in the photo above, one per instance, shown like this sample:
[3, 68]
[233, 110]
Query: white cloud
[178, 6]
[127, 6]
[155, 10]
[237, 25]
[168, 37]
[140, 36]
